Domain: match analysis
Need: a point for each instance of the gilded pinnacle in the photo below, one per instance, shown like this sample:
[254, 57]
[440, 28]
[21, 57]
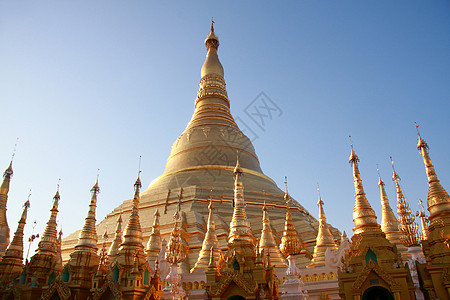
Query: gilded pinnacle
[363, 214]
[87, 238]
[267, 241]
[438, 198]
[210, 243]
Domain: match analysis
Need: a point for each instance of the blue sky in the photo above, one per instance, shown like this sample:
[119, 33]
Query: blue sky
[94, 85]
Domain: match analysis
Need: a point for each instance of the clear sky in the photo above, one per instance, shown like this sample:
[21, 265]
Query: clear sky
[94, 84]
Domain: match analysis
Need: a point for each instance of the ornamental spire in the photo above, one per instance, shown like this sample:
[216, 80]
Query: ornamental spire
[389, 223]
[212, 64]
[324, 238]
[15, 249]
[154, 242]
[290, 242]
[176, 251]
[267, 241]
[240, 237]
[438, 198]
[114, 248]
[11, 264]
[409, 228]
[363, 214]
[4, 190]
[132, 237]
[49, 240]
[210, 247]
[87, 239]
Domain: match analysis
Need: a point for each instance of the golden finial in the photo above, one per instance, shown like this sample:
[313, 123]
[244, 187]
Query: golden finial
[287, 198]
[420, 142]
[395, 176]
[212, 24]
[353, 157]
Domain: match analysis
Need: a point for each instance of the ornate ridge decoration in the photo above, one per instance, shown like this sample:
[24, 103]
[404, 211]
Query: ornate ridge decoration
[372, 266]
[411, 234]
[57, 286]
[240, 280]
[114, 287]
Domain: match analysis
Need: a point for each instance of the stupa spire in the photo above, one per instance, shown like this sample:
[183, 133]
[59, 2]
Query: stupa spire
[363, 214]
[154, 242]
[290, 242]
[389, 223]
[49, 240]
[15, 248]
[240, 237]
[175, 249]
[115, 245]
[212, 64]
[210, 247]
[410, 230]
[132, 237]
[438, 198]
[4, 190]
[267, 241]
[12, 262]
[87, 239]
[324, 238]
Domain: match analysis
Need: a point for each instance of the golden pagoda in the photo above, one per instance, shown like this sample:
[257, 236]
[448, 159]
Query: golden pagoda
[324, 239]
[4, 190]
[117, 241]
[44, 266]
[267, 243]
[11, 265]
[199, 168]
[127, 274]
[246, 272]
[210, 248]
[372, 267]
[84, 260]
[154, 242]
[435, 274]
[389, 223]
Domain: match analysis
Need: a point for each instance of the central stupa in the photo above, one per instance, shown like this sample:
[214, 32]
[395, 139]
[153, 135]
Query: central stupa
[200, 169]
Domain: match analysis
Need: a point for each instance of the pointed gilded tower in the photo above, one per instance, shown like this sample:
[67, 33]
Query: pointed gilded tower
[389, 223]
[132, 237]
[44, 265]
[363, 215]
[291, 244]
[11, 264]
[409, 229]
[324, 239]
[267, 242]
[210, 248]
[240, 239]
[435, 274]
[84, 260]
[115, 245]
[154, 242]
[371, 256]
[4, 228]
